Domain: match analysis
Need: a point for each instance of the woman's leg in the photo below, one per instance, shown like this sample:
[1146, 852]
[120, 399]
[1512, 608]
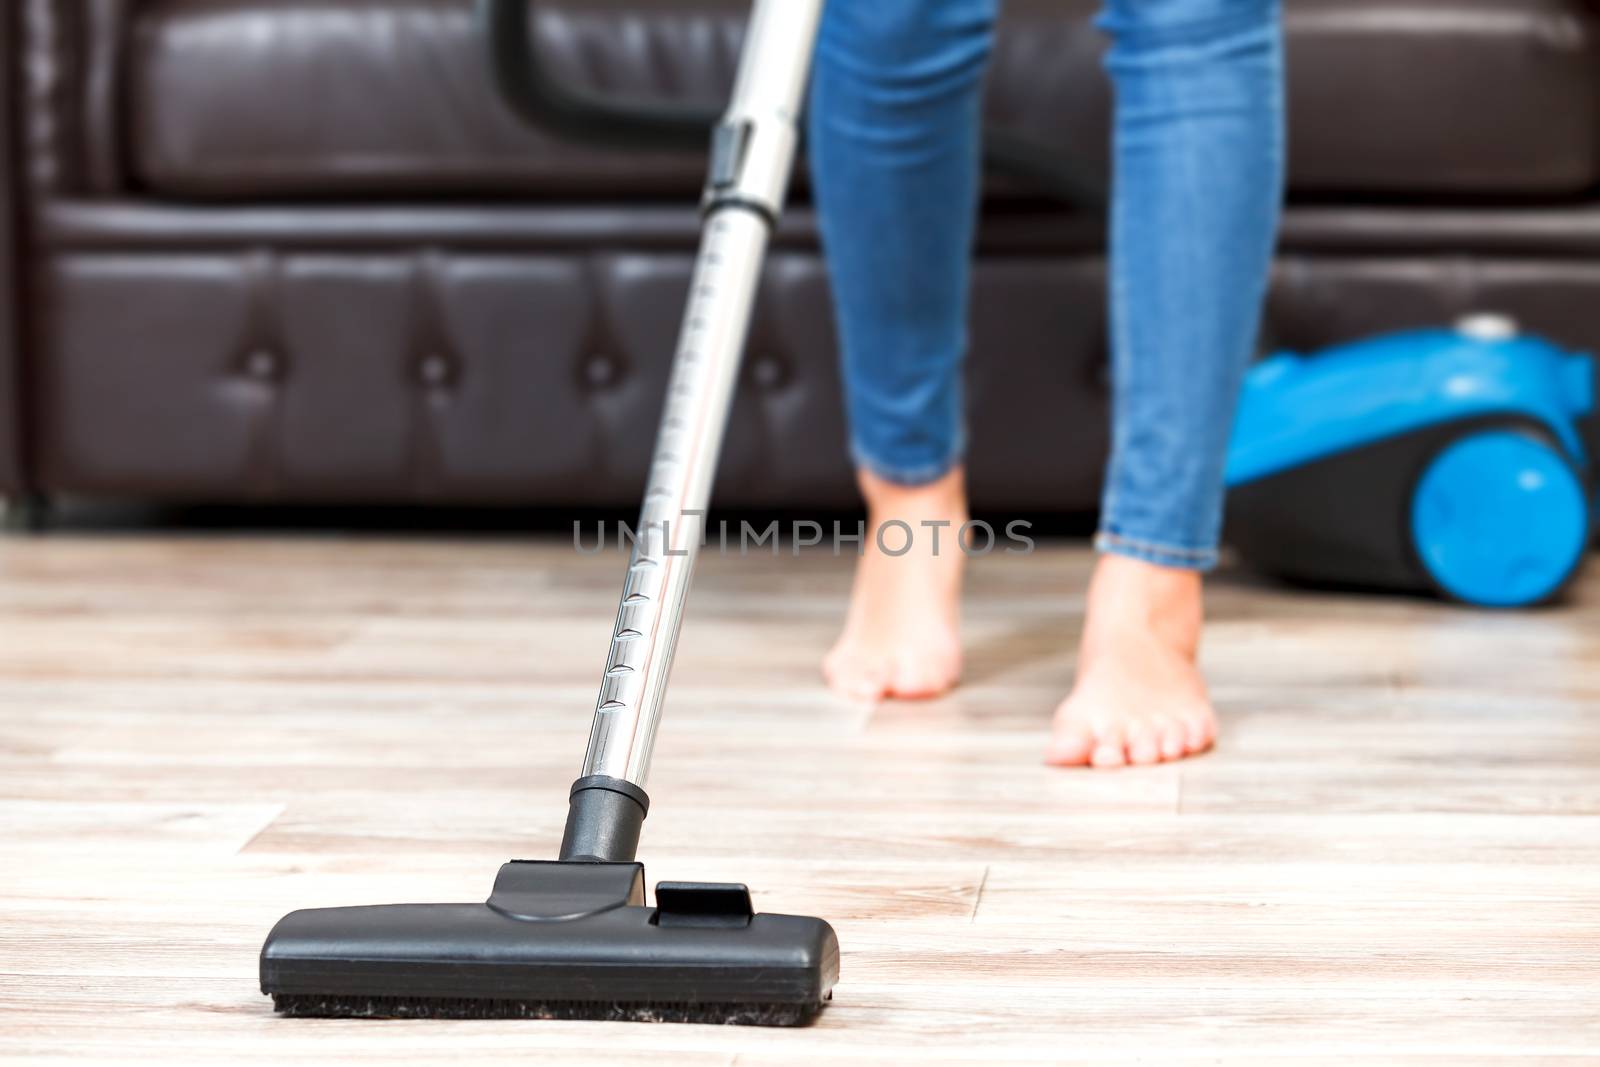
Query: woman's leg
[894, 153]
[1199, 171]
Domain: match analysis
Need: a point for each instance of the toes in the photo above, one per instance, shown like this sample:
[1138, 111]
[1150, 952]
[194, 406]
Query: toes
[875, 677]
[854, 678]
[1111, 750]
[1071, 745]
[918, 678]
[866, 685]
[1173, 736]
[1144, 746]
[912, 687]
[1200, 729]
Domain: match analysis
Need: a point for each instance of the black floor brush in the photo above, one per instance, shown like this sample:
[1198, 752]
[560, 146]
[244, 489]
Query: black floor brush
[562, 940]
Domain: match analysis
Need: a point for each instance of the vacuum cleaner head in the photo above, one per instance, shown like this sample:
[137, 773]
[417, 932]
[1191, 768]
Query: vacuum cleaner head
[557, 940]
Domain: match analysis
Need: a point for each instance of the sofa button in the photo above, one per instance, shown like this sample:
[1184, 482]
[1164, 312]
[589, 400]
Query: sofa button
[434, 370]
[263, 365]
[599, 371]
[767, 372]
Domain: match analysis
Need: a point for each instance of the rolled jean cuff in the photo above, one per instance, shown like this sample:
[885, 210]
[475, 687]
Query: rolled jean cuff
[909, 475]
[1182, 557]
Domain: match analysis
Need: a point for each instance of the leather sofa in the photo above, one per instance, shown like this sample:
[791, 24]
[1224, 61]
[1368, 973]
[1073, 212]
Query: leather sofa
[297, 251]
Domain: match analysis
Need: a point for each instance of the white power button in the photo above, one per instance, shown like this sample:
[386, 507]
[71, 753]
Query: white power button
[1487, 326]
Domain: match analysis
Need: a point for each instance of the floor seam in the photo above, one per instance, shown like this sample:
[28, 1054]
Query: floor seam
[269, 824]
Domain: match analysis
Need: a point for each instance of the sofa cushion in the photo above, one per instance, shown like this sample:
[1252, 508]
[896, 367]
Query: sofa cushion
[409, 375]
[355, 98]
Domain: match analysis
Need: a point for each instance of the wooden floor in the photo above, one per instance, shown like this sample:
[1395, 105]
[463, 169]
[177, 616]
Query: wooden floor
[1394, 852]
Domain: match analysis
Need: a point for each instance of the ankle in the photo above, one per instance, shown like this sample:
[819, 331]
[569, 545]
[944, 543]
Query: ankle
[925, 519]
[888, 499]
[1127, 594]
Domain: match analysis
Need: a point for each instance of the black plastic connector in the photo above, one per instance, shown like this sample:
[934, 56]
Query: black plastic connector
[604, 817]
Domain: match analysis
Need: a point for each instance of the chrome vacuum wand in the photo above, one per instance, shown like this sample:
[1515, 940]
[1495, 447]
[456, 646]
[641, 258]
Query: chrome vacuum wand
[753, 151]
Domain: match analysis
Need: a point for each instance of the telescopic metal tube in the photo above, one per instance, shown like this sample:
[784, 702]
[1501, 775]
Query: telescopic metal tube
[753, 155]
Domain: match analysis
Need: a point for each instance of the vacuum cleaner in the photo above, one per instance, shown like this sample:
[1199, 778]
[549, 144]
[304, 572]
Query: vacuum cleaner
[1451, 461]
[575, 937]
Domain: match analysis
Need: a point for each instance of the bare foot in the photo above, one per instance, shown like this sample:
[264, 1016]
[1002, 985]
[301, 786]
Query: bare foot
[901, 634]
[1139, 696]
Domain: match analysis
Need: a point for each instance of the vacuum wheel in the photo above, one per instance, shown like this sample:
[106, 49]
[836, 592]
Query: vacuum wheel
[1500, 518]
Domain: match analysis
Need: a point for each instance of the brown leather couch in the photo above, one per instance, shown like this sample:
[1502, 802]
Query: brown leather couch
[296, 250]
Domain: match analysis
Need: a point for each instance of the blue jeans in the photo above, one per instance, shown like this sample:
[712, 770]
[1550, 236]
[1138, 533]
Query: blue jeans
[894, 145]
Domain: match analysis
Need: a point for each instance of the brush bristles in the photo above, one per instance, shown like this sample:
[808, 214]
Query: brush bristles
[358, 1007]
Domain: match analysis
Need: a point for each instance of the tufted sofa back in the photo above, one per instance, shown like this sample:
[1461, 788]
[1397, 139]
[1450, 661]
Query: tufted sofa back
[296, 249]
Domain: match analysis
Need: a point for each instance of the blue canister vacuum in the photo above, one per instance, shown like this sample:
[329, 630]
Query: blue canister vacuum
[1443, 460]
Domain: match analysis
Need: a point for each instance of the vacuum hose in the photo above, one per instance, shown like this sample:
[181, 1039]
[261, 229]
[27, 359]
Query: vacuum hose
[641, 125]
